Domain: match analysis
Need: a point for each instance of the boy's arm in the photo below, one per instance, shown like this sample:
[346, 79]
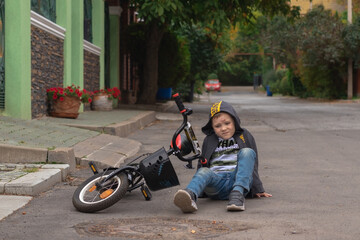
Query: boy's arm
[203, 150]
[257, 186]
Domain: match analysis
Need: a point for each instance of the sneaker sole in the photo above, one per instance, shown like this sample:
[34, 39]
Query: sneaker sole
[182, 200]
[233, 207]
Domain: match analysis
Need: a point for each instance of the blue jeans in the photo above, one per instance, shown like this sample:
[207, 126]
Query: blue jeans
[219, 185]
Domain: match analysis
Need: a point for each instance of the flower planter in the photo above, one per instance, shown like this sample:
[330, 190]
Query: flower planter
[68, 108]
[101, 103]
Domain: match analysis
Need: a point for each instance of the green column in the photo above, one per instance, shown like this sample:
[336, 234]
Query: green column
[70, 15]
[77, 42]
[114, 46]
[63, 18]
[18, 59]
[98, 21]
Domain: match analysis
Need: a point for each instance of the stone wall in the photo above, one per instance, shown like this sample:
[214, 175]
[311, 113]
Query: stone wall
[47, 68]
[91, 71]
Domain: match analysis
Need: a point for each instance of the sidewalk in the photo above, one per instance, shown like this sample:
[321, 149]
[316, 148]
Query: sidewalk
[29, 149]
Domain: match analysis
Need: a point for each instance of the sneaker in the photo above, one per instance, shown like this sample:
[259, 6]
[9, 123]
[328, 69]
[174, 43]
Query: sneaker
[236, 201]
[185, 200]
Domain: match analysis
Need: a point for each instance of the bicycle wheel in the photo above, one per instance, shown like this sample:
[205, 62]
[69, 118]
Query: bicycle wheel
[89, 198]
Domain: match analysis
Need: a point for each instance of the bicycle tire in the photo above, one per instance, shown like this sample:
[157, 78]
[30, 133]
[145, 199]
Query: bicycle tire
[87, 198]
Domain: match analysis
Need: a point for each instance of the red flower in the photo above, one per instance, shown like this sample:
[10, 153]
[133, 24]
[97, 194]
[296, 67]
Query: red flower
[90, 100]
[54, 96]
[61, 99]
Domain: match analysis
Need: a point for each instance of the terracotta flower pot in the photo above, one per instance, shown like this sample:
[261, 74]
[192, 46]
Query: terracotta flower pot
[101, 102]
[68, 108]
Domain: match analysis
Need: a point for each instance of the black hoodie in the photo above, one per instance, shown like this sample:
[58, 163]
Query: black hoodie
[242, 136]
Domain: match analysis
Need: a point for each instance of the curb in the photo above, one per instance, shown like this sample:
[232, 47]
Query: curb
[10, 153]
[125, 128]
[34, 183]
[159, 107]
[20, 154]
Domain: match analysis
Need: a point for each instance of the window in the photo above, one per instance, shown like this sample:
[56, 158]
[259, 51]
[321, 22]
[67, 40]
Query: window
[46, 8]
[88, 20]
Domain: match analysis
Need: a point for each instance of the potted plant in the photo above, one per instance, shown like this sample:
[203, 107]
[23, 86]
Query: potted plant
[65, 102]
[103, 99]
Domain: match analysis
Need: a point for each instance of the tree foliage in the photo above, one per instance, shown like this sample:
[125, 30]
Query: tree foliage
[352, 40]
[213, 15]
[315, 49]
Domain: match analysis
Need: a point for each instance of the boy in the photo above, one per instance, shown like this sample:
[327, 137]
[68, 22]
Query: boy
[229, 169]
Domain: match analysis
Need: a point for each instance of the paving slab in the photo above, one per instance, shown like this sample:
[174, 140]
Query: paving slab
[105, 150]
[9, 204]
[64, 168]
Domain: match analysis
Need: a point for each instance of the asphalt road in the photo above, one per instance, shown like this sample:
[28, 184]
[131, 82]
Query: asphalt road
[309, 160]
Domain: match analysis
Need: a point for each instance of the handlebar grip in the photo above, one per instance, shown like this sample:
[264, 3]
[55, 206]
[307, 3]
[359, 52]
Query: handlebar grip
[179, 103]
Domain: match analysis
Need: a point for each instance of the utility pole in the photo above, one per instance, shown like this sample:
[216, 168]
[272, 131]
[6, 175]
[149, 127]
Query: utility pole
[350, 62]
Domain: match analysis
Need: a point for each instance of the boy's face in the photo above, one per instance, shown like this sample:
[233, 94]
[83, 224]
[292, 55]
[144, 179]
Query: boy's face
[223, 125]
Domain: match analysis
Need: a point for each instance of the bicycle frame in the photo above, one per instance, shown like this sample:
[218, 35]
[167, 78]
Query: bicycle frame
[186, 126]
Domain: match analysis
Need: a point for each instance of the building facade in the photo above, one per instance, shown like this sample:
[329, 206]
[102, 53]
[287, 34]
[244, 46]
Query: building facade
[306, 5]
[56, 47]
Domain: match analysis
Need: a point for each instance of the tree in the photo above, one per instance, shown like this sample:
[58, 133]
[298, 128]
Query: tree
[204, 56]
[323, 53]
[215, 15]
[314, 50]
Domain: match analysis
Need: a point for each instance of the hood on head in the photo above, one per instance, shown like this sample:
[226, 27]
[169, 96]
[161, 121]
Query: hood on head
[221, 106]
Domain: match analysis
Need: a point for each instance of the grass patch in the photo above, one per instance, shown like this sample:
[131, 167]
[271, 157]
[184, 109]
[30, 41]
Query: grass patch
[30, 170]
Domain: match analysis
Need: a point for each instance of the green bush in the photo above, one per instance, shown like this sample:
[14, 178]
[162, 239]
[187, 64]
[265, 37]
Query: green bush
[269, 77]
[280, 81]
[323, 61]
[212, 76]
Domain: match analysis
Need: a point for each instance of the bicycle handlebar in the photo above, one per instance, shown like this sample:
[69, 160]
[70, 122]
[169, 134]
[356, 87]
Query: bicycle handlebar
[179, 102]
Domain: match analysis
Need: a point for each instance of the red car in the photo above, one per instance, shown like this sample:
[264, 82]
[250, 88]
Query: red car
[213, 85]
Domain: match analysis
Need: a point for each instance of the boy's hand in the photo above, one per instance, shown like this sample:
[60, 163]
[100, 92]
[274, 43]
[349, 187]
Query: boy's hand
[264, 194]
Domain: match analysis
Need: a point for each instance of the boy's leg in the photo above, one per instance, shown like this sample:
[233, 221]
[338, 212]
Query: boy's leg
[186, 199]
[202, 178]
[243, 179]
[244, 170]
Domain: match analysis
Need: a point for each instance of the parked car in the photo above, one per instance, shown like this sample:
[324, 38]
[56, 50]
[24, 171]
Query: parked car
[213, 85]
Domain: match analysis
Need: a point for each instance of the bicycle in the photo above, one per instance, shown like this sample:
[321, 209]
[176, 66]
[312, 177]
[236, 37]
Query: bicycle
[154, 172]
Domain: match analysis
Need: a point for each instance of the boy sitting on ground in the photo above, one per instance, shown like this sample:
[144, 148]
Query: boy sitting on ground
[229, 165]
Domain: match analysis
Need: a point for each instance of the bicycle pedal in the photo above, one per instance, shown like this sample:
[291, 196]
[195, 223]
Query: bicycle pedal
[146, 193]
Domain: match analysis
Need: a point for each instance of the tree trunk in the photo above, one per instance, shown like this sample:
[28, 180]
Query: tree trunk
[150, 85]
